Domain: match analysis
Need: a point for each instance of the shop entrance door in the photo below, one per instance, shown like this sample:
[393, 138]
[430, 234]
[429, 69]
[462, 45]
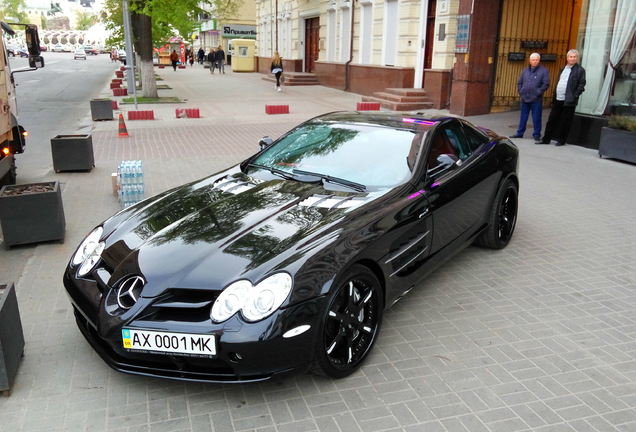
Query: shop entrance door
[312, 43]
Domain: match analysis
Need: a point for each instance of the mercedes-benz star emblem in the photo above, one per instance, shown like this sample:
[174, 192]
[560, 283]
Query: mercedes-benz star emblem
[129, 291]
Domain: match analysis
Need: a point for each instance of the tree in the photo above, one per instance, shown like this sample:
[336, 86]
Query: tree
[13, 11]
[153, 22]
[84, 20]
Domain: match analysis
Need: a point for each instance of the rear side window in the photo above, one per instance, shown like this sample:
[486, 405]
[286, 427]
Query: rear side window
[474, 138]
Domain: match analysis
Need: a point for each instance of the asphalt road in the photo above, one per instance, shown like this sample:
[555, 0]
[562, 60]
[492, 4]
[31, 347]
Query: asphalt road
[55, 100]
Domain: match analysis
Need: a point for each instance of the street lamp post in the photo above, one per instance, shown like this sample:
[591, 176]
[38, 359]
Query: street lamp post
[130, 59]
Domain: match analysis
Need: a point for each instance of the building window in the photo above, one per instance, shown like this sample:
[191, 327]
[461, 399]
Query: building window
[601, 42]
[345, 31]
[390, 33]
[366, 31]
[331, 34]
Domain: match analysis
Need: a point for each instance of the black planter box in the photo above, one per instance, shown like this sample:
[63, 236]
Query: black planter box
[585, 130]
[618, 144]
[72, 152]
[11, 337]
[101, 109]
[32, 213]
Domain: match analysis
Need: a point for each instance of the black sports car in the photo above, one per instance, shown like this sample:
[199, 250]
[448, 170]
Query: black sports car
[285, 262]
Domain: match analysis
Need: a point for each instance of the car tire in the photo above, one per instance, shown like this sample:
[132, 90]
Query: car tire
[502, 219]
[350, 323]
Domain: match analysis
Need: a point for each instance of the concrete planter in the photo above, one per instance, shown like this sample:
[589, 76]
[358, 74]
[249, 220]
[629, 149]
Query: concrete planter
[11, 338]
[74, 152]
[618, 144]
[585, 130]
[101, 109]
[32, 213]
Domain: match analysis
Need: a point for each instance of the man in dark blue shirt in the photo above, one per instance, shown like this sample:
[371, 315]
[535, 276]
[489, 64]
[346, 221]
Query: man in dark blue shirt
[533, 82]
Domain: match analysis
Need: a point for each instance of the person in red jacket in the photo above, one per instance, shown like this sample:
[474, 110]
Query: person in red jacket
[174, 58]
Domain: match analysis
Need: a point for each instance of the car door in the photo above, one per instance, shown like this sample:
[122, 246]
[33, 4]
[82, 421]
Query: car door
[458, 185]
[406, 245]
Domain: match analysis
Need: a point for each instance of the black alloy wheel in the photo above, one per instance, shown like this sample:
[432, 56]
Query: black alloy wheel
[350, 325]
[503, 218]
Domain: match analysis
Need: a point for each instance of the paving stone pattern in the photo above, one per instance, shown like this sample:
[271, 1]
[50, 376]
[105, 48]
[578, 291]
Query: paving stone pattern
[540, 336]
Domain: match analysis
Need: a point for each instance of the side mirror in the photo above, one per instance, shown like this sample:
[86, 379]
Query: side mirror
[444, 163]
[32, 39]
[447, 160]
[265, 142]
[36, 61]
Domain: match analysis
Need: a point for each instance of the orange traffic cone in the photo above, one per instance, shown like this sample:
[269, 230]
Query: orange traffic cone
[123, 132]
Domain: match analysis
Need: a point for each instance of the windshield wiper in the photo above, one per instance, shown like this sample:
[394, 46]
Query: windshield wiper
[351, 184]
[284, 174]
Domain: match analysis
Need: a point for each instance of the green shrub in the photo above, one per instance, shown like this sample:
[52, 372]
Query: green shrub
[627, 123]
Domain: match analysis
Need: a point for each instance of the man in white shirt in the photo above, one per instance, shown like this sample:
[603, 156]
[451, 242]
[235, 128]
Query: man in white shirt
[570, 85]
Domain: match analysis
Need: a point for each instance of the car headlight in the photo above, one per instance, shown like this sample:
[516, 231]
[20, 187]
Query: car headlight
[255, 302]
[89, 251]
[230, 301]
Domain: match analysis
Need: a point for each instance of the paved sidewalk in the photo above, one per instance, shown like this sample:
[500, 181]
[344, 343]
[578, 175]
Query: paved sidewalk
[540, 336]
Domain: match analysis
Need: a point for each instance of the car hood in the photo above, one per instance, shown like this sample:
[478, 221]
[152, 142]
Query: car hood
[207, 234]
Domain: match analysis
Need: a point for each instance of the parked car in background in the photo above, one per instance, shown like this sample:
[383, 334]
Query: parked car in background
[58, 47]
[12, 50]
[23, 52]
[79, 54]
[121, 56]
[90, 50]
[285, 262]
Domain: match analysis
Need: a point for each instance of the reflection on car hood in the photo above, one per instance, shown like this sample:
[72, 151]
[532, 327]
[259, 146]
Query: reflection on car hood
[209, 233]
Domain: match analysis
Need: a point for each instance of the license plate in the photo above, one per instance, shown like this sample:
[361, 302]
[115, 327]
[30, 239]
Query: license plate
[172, 343]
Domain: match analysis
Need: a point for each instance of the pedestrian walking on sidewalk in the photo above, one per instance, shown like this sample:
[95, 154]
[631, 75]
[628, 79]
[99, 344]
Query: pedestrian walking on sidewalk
[220, 59]
[200, 55]
[174, 58]
[191, 57]
[211, 60]
[533, 82]
[277, 69]
[570, 86]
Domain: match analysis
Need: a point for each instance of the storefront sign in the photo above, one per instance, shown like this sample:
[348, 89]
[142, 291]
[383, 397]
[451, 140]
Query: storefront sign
[516, 56]
[535, 44]
[548, 57]
[463, 31]
[239, 31]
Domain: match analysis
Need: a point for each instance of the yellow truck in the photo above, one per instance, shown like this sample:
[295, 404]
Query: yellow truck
[12, 135]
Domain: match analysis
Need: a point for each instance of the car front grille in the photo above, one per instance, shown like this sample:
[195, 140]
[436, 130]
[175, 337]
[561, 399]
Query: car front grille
[182, 305]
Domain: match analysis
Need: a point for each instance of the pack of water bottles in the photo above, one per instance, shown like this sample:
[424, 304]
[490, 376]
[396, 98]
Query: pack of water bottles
[130, 179]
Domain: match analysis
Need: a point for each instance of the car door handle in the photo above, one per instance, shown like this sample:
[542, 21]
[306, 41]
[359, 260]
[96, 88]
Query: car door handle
[424, 213]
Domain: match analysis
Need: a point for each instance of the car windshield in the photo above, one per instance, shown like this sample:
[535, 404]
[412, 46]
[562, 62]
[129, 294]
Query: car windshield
[370, 155]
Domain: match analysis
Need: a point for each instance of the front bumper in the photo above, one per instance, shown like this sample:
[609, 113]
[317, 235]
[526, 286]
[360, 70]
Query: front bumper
[246, 352]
